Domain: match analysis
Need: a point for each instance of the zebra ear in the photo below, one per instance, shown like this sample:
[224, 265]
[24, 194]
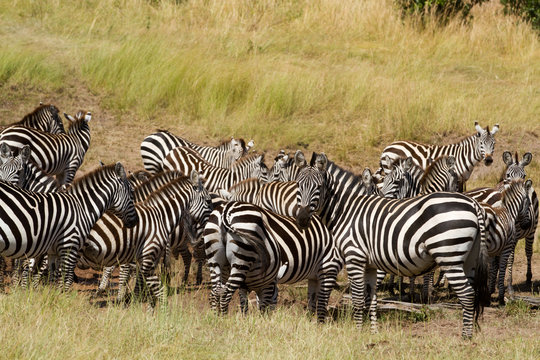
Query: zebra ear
[408, 163]
[507, 158]
[321, 162]
[5, 151]
[528, 185]
[69, 117]
[495, 129]
[479, 129]
[299, 158]
[527, 157]
[388, 161]
[101, 163]
[367, 176]
[250, 144]
[88, 116]
[450, 161]
[120, 171]
[195, 179]
[142, 176]
[25, 153]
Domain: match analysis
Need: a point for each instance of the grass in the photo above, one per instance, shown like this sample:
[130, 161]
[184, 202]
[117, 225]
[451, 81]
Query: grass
[344, 77]
[51, 324]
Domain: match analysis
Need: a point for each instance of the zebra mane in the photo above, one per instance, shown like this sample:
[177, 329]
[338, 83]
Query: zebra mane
[168, 190]
[345, 176]
[247, 159]
[92, 174]
[149, 185]
[40, 108]
[195, 154]
[510, 189]
[245, 182]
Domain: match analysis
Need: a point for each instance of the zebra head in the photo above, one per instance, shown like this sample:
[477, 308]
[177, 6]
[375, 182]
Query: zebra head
[369, 183]
[398, 182]
[441, 175]
[123, 204]
[516, 198]
[515, 169]
[312, 187]
[200, 207]
[12, 168]
[485, 144]
[280, 161]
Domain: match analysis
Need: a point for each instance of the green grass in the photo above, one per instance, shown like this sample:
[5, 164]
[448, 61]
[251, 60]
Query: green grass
[51, 324]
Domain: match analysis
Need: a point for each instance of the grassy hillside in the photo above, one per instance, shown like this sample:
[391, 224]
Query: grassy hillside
[346, 77]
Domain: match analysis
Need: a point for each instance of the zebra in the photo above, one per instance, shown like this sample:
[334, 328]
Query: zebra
[155, 147]
[408, 237]
[468, 152]
[185, 159]
[56, 154]
[34, 224]
[515, 169]
[109, 243]
[178, 241]
[44, 118]
[253, 249]
[524, 228]
[501, 229]
[285, 167]
[11, 166]
[406, 180]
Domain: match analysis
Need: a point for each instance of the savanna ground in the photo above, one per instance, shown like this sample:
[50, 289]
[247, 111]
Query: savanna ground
[344, 77]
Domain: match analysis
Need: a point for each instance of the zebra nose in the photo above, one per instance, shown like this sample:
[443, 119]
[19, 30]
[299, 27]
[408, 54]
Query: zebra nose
[488, 160]
[303, 218]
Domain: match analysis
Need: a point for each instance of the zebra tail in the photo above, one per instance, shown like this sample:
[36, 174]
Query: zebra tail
[482, 297]
[256, 242]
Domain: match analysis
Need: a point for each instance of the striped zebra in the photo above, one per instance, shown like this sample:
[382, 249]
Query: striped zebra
[44, 118]
[252, 249]
[56, 154]
[524, 228]
[56, 224]
[468, 152]
[155, 147]
[178, 241]
[406, 180]
[501, 227]
[286, 167]
[408, 237]
[515, 169]
[110, 243]
[185, 160]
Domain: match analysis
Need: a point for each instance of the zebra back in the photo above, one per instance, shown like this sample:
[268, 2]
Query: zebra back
[44, 118]
[468, 152]
[56, 154]
[155, 147]
[185, 159]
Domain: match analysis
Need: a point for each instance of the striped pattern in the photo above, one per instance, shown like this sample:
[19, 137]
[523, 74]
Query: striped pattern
[56, 154]
[185, 160]
[155, 147]
[286, 167]
[409, 237]
[56, 224]
[468, 152]
[44, 118]
[255, 249]
[110, 243]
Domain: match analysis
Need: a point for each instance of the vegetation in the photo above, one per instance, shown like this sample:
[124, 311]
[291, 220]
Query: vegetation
[444, 10]
[342, 76]
[529, 10]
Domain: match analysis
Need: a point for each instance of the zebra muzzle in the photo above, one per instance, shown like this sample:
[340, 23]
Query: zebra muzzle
[488, 160]
[303, 217]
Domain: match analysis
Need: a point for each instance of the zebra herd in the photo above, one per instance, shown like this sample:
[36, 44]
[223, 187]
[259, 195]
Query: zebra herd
[257, 227]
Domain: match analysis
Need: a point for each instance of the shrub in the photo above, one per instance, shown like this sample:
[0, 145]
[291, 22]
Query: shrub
[443, 10]
[529, 10]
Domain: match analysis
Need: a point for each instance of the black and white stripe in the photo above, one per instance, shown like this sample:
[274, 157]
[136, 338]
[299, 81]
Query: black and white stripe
[409, 237]
[110, 243]
[185, 160]
[468, 152]
[35, 224]
[286, 167]
[56, 154]
[253, 249]
[44, 118]
[155, 147]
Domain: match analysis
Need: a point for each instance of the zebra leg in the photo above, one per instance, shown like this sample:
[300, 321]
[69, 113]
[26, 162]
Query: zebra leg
[510, 265]
[371, 280]
[126, 271]
[356, 272]
[427, 288]
[244, 303]
[390, 284]
[314, 286]
[198, 280]
[42, 272]
[465, 293]
[328, 280]
[16, 275]
[157, 290]
[529, 240]
[267, 297]
[412, 281]
[439, 278]
[186, 258]
[200, 256]
[68, 261]
[27, 265]
[505, 257]
[215, 293]
[236, 278]
[493, 271]
[105, 278]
